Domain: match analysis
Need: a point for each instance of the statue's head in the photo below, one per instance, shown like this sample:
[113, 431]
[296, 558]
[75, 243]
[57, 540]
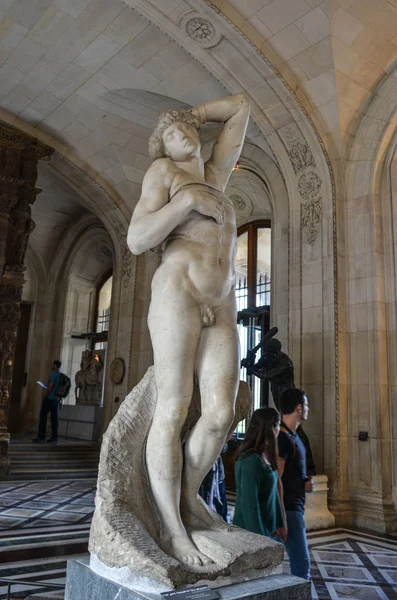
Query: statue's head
[273, 346]
[176, 136]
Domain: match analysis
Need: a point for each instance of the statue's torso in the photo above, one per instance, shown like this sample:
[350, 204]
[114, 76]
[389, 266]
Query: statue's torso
[200, 252]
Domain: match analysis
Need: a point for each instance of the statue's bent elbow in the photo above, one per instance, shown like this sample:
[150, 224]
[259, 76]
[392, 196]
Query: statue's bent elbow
[134, 244]
[243, 100]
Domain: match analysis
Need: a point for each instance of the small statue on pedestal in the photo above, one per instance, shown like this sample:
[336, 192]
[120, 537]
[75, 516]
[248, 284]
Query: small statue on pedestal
[87, 380]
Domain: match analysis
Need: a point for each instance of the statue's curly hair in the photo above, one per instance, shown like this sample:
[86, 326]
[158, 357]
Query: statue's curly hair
[156, 145]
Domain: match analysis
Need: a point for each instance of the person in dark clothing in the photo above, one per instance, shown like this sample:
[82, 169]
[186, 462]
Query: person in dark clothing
[259, 506]
[213, 488]
[50, 404]
[293, 472]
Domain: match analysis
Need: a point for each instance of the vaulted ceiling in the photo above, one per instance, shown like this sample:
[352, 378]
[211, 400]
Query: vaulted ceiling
[93, 75]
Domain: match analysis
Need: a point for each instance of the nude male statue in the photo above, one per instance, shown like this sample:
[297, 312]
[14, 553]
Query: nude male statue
[184, 214]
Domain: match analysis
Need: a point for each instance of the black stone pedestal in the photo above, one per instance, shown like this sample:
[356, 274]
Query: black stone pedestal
[84, 584]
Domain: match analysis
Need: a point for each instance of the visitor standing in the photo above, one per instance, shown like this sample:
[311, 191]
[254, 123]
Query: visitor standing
[292, 470]
[259, 505]
[213, 488]
[50, 404]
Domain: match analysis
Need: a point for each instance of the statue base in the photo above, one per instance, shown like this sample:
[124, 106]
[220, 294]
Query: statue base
[82, 583]
[317, 514]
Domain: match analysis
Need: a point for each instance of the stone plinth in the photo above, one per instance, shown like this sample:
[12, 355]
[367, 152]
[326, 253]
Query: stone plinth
[317, 515]
[83, 583]
[80, 422]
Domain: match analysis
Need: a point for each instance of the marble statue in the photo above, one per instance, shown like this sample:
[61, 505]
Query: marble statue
[149, 519]
[184, 213]
[277, 368]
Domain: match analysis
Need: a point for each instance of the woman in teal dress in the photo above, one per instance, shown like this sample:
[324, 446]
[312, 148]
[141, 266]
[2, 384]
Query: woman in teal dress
[259, 501]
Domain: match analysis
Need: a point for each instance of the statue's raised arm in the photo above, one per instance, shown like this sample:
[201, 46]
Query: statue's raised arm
[234, 112]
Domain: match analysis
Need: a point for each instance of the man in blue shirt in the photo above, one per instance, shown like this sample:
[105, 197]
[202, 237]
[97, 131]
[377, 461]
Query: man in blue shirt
[50, 405]
[292, 471]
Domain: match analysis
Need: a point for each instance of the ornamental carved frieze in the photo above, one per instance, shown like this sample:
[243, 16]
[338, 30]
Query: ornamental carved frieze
[19, 154]
[20, 227]
[309, 183]
[238, 202]
[126, 256]
[10, 158]
[297, 147]
[7, 202]
[309, 187]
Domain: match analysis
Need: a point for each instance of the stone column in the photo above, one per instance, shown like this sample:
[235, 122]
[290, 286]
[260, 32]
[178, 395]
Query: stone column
[19, 155]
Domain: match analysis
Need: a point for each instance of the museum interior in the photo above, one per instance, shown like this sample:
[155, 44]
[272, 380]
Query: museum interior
[82, 85]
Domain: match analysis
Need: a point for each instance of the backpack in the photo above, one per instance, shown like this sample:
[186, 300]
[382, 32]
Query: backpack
[64, 386]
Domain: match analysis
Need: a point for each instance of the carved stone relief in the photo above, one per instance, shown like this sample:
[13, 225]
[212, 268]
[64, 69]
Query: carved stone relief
[19, 228]
[19, 154]
[200, 29]
[238, 202]
[311, 208]
[298, 150]
[7, 202]
[309, 183]
[126, 256]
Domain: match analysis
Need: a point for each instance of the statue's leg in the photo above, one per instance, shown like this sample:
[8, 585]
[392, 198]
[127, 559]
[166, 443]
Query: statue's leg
[175, 327]
[218, 374]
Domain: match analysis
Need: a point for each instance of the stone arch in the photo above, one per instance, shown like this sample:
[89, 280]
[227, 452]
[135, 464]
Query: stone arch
[371, 279]
[280, 126]
[114, 220]
[259, 164]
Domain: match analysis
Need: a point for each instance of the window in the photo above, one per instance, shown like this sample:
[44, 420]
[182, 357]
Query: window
[102, 321]
[104, 300]
[253, 285]
[253, 265]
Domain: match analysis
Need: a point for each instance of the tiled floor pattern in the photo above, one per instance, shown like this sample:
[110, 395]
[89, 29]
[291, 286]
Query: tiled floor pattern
[45, 503]
[353, 566]
[43, 523]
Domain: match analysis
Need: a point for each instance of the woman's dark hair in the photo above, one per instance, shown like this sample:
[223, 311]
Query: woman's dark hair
[260, 437]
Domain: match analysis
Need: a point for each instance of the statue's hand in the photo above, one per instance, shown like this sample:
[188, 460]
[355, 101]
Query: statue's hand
[209, 206]
[249, 360]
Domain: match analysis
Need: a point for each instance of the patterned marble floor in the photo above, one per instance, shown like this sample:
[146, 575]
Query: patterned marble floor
[350, 565]
[43, 523]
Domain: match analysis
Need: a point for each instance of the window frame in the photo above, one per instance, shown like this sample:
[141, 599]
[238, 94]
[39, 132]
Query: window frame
[252, 254]
[101, 282]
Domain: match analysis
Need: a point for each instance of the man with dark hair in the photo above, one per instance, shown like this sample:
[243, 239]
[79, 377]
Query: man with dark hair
[50, 404]
[294, 408]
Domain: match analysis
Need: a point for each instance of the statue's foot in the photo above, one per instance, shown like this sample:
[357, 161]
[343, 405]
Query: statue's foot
[183, 549]
[195, 512]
